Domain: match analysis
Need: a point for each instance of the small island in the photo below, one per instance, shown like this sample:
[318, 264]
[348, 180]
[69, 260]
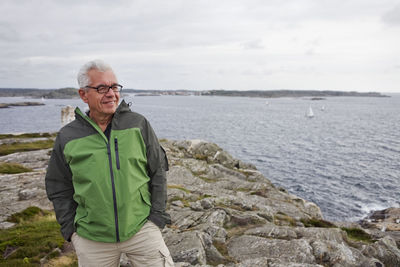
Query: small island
[62, 93]
[20, 104]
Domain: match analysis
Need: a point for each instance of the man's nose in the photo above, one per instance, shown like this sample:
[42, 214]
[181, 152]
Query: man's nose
[110, 92]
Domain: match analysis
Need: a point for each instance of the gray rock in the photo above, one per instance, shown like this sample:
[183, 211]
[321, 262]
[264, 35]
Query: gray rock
[336, 254]
[273, 231]
[207, 203]
[278, 263]
[196, 206]
[178, 203]
[26, 194]
[212, 254]
[247, 166]
[247, 247]
[225, 159]
[267, 262]
[179, 175]
[187, 247]
[326, 234]
[19, 191]
[36, 160]
[6, 225]
[203, 148]
[185, 218]
[385, 250]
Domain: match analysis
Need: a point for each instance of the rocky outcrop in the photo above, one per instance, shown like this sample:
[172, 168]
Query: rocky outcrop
[22, 190]
[226, 213]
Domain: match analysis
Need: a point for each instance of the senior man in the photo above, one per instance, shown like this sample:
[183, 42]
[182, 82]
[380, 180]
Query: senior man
[106, 178]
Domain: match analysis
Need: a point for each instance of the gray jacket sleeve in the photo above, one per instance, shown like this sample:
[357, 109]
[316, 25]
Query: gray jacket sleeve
[157, 165]
[60, 190]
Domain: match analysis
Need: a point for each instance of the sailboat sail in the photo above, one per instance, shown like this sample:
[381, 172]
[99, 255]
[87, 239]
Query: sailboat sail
[310, 112]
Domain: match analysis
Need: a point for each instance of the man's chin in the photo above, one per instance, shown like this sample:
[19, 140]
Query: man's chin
[109, 109]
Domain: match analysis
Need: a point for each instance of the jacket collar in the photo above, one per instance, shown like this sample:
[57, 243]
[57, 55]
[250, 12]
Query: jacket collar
[123, 107]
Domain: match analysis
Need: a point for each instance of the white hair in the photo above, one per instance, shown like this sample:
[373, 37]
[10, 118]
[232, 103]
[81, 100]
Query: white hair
[97, 64]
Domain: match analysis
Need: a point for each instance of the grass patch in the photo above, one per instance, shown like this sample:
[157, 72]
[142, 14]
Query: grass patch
[233, 229]
[184, 201]
[261, 192]
[222, 248]
[317, 223]
[180, 188]
[208, 180]
[357, 234]
[10, 168]
[6, 149]
[200, 157]
[28, 214]
[35, 236]
[199, 173]
[282, 219]
[203, 196]
[243, 189]
[27, 135]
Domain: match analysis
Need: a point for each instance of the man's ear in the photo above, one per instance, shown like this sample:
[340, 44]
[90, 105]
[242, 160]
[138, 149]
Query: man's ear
[82, 94]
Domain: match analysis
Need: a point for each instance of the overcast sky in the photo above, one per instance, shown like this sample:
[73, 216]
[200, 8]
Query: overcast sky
[204, 44]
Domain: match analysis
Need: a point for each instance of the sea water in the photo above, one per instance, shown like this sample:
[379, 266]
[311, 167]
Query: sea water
[345, 158]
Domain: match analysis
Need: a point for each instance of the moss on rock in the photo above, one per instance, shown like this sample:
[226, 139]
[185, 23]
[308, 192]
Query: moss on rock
[6, 149]
[12, 168]
[35, 236]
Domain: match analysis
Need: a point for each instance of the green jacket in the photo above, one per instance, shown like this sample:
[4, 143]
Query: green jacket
[106, 189]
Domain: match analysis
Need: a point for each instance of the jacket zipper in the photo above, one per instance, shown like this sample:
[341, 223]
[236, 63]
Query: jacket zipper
[116, 152]
[113, 191]
[112, 179]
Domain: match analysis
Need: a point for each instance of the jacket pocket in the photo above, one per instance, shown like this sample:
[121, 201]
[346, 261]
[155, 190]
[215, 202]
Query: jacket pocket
[116, 152]
[164, 159]
[144, 193]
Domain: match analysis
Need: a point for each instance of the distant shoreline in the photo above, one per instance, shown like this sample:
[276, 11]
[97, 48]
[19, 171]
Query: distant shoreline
[20, 104]
[68, 93]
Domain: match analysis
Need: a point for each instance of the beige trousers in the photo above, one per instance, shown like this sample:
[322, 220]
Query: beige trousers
[145, 248]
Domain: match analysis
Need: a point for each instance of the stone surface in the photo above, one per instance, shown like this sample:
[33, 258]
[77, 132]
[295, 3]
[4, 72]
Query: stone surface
[384, 220]
[249, 247]
[226, 213]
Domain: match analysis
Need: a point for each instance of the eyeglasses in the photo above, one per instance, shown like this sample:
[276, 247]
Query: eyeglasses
[102, 89]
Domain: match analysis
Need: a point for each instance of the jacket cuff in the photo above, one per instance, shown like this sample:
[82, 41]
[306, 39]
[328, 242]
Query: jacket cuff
[160, 219]
[67, 231]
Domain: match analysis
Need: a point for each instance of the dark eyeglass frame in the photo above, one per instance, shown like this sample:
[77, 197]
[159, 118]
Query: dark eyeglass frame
[103, 89]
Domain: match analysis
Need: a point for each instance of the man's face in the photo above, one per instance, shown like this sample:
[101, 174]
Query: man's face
[100, 105]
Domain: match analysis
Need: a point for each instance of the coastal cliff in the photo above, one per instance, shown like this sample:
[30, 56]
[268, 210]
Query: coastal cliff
[226, 213]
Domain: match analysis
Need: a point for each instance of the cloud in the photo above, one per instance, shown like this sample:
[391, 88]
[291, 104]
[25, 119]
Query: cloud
[392, 16]
[200, 44]
[254, 44]
[8, 34]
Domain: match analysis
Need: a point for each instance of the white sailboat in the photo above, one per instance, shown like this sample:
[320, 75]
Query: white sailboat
[310, 112]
